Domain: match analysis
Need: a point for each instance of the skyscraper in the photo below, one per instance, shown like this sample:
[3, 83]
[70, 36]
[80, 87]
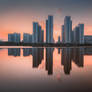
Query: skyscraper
[79, 34]
[67, 29]
[76, 35]
[42, 36]
[38, 33]
[49, 30]
[35, 32]
[63, 39]
[81, 28]
[59, 40]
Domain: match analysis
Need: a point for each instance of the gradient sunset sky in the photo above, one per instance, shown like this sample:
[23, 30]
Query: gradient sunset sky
[18, 15]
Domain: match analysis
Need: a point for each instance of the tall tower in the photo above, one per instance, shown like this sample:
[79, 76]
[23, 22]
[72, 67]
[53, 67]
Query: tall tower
[68, 29]
[76, 35]
[35, 32]
[49, 30]
[81, 28]
[63, 35]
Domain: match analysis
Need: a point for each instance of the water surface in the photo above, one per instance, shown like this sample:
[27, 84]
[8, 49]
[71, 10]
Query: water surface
[45, 69]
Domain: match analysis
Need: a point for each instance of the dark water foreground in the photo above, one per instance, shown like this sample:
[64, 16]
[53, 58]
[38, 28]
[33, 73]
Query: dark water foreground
[45, 69]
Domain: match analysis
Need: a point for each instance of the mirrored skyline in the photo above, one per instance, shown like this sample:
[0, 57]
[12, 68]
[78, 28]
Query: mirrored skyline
[49, 69]
[67, 56]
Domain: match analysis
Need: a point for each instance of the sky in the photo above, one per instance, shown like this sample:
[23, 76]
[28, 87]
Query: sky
[18, 15]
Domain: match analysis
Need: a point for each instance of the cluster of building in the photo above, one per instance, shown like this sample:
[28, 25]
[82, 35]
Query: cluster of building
[36, 37]
[69, 36]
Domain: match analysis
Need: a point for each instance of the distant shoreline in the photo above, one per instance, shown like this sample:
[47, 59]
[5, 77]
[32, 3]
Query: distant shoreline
[43, 44]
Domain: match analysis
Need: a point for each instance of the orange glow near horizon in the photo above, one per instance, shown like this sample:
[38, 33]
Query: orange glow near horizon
[22, 23]
[4, 32]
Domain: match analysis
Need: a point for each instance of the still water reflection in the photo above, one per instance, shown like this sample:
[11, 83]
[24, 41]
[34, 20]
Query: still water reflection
[46, 69]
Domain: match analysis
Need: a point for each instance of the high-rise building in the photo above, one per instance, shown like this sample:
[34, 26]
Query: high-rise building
[67, 30]
[81, 28]
[38, 33]
[73, 37]
[42, 36]
[49, 30]
[14, 37]
[63, 39]
[47, 33]
[79, 34]
[59, 39]
[35, 32]
[76, 35]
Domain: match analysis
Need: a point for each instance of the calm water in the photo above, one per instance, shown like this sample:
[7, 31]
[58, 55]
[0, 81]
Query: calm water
[45, 69]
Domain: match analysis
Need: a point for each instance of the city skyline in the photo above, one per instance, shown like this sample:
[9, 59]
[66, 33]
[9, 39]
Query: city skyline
[18, 15]
[44, 29]
[45, 45]
[68, 34]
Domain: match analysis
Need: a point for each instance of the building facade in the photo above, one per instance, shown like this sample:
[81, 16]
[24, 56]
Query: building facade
[81, 28]
[49, 30]
[68, 30]
[14, 38]
[27, 38]
[63, 39]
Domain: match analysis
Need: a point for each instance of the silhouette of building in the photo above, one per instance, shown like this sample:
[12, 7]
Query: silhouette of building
[15, 37]
[79, 34]
[35, 32]
[27, 38]
[63, 35]
[88, 39]
[73, 37]
[81, 28]
[67, 30]
[59, 41]
[49, 30]
[38, 33]
[76, 35]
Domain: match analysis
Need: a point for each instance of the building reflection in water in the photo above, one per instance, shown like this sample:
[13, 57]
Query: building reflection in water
[49, 60]
[14, 52]
[68, 55]
[66, 59]
[27, 51]
[38, 56]
[78, 56]
[37, 53]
